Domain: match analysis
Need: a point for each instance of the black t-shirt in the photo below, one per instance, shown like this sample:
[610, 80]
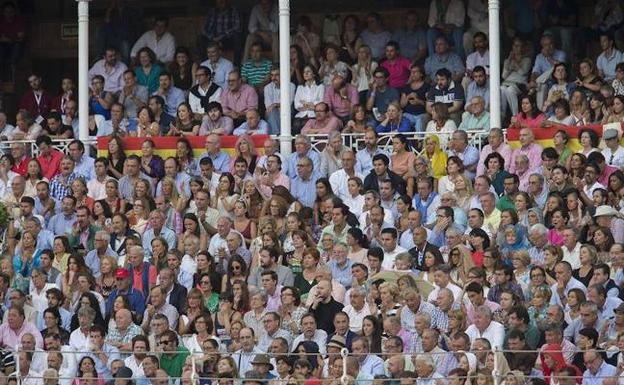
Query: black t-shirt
[422, 95]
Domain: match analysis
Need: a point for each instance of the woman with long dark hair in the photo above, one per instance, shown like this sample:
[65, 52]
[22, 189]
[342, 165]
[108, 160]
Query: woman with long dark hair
[372, 329]
[529, 115]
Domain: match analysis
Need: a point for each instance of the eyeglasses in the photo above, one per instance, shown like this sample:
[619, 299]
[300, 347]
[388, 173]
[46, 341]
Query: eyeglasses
[164, 342]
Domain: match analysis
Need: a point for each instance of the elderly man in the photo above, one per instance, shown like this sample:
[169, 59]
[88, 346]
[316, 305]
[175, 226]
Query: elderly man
[340, 265]
[565, 283]
[441, 57]
[102, 249]
[613, 152]
[121, 336]
[13, 330]
[496, 143]
[253, 125]
[157, 221]
[426, 369]
[124, 288]
[248, 350]
[220, 159]
[303, 184]
[415, 305]
[310, 332]
[485, 327]
[476, 117]
[369, 363]
[303, 148]
[597, 370]
[528, 147]
[238, 98]
[537, 191]
[60, 184]
[469, 155]
[271, 323]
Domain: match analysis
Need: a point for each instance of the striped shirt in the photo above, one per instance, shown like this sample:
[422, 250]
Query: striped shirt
[256, 73]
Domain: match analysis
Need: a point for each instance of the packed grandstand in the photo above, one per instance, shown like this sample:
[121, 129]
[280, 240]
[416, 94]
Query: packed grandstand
[404, 241]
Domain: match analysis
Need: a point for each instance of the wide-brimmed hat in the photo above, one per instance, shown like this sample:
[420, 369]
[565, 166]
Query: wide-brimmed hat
[605, 211]
[262, 359]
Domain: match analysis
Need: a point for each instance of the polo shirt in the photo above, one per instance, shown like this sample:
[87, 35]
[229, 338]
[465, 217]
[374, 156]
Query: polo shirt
[173, 362]
[447, 96]
[256, 73]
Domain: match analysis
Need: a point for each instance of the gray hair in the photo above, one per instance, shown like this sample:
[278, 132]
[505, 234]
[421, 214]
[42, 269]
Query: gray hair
[104, 234]
[305, 138]
[426, 359]
[485, 311]
[358, 290]
[539, 228]
[87, 311]
[425, 317]
[540, 178]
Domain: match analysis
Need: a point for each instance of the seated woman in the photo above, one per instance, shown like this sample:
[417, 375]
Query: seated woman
[588, 81]
[561, 116]
[441, 122]
[616, 113]
[394, 120]
[561, 89]
[185, 123]
[529, 115]
[331, 65]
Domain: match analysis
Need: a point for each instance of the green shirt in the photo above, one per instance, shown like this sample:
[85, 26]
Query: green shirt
[173, 363]
[505, 202]
[256, 73]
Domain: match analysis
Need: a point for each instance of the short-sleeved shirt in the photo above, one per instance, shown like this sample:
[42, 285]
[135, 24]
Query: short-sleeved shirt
[416, 109]
[447, 96]
[384, 98]
[255, 73]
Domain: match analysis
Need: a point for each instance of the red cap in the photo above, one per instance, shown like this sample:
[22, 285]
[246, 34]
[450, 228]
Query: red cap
[122, 273]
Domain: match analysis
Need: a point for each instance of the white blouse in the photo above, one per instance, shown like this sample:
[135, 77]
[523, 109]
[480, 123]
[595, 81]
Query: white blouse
[308, 94]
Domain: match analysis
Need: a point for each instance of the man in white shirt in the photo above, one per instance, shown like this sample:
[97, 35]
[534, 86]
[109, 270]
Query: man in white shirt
[358, 309]
[339, 179]
[204, 92]
[111, 70]
[97, 185]
[608, 58]
[571, 248]
[565, 283]
[311, 333]
[245, 355]
[613, 152]
[219, 65]
[390, 247]
[441, 279]
[485, 327]
[158, 40]
[272, 100]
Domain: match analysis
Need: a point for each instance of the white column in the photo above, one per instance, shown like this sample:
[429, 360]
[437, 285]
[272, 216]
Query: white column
[83, 69]
[495, 54]
[284, 55]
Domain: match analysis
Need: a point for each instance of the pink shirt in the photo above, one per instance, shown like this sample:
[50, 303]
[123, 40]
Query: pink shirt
[242, 101]
[533, 151]
[280, 180]
[399, 70]
[603, 179]
[555, 238]
[529, 122]
[9, 338]
[332, 124]
[338, 105]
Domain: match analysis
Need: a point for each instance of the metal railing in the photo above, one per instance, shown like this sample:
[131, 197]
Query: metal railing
[319, 141]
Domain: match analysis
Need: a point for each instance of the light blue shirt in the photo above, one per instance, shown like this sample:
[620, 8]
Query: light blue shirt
[61, 224]
[103, 368]
[607, 64]
[262, 129]
[183, 184]
[66, 317]
[608, 309]
[39, 209]
[85, 168]
[149, 236]
[605, 370]
[221, 161]
[106, 128]
[474, 90]
[364, 160]
[174, 97]
[372, 365]
[470, 157]
[220, 70]
[304, 190]
[45, 239]
[291, 166]
[342, 274]
[92, 260]
[542, 64]
[451, 62]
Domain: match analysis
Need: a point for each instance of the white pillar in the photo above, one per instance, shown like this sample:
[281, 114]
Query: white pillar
[284, 55]
[83, 69]
[495, 54]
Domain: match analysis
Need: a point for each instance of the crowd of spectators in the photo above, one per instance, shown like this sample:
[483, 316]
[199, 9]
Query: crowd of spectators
[264, 266]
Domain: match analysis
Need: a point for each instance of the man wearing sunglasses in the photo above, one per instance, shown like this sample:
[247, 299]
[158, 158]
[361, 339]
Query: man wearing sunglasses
[173, 356]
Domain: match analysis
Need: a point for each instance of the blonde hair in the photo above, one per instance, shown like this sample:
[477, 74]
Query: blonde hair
[523, 256]
[392, 288]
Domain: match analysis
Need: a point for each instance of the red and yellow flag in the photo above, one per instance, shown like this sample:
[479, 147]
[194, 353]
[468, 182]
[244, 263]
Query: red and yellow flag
[544, 136]
[165, 146]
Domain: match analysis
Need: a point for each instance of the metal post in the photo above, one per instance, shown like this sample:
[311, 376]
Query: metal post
[284, 54]
[83, 69]
[496, 371]
[495, 52]
[344, 379]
